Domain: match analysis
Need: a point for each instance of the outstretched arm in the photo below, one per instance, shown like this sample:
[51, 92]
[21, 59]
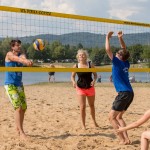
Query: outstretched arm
[137, 123]
[122, 43]
[107, 45]
[22, 59]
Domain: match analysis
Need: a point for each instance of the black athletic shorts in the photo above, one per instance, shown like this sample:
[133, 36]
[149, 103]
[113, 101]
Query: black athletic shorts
[123, 101]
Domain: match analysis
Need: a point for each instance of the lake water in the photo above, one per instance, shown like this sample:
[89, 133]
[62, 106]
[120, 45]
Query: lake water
[37, 77]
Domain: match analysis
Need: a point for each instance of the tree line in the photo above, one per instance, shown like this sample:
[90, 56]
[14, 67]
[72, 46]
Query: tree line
[56, 51]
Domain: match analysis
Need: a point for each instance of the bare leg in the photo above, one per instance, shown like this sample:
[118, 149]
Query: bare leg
[123, 124]
[18, 133]
[144, 140]
[53, 79]
[19, 117]
[82, 102]
[114, 122]
[91, 100]
[23, 136]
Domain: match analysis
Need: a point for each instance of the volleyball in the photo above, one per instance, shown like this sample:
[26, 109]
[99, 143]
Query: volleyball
[39, 45]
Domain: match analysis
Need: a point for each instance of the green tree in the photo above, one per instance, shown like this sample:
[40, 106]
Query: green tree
[79, 46]
[4, 48]
[95, 56]
[146, 55]
[135, 52]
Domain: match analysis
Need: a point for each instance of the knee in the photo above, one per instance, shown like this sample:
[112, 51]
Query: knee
[82, 107]
[19, 109]
[144, 135]
[119, 118]
[111, 117]
[91, 106]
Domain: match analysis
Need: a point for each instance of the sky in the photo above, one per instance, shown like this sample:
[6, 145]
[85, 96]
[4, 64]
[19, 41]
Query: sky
[130, 10]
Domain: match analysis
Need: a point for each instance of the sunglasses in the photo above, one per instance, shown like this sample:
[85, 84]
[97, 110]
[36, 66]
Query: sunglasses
[119, 53]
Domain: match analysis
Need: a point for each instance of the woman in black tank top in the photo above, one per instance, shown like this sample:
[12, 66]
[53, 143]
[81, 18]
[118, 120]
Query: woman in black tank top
[85, 85]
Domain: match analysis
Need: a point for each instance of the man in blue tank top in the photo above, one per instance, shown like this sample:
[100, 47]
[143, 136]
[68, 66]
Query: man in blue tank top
[14, 86]
[122, 85]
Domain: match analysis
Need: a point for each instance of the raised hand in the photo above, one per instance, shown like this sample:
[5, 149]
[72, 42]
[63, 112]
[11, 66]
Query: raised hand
[120, 34]
[109, 35]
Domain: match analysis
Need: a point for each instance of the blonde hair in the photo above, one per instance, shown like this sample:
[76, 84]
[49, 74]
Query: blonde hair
[82, 51]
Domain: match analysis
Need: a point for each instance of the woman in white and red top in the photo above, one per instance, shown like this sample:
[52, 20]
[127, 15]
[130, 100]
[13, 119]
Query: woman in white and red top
[85, 85]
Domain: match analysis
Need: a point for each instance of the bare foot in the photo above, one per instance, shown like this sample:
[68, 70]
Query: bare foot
[122, 143]
[128, 142]
[18, 132]
[83, 127]
[125, 142]
[96, 125]
[23, 137]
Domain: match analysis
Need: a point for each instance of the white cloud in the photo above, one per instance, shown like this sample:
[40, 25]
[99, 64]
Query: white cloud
[58, 6]
[17, 3]
[49, 5]
[122, 9]
[142, 0]
[126, 9]
[135, 10]
[124, 13]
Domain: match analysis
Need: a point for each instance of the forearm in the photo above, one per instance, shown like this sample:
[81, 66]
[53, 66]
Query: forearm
[122, 43]
[18, 59]
[131, 126]
[95, 77]
[14, 58]
[73, 78]
[107, 44]
[108, 49]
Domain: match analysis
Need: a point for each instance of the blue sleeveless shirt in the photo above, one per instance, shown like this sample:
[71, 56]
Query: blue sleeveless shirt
[14, 78]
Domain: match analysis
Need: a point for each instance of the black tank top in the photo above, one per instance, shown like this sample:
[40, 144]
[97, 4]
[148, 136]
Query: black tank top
[84, 78]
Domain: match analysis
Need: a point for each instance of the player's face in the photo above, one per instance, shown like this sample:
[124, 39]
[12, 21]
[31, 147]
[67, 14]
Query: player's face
[17, 47]
[82, 56]
[119, 55]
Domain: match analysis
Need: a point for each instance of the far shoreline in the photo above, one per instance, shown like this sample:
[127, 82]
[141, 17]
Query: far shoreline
[69, 84]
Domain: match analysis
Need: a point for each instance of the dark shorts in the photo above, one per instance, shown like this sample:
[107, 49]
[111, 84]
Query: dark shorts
[51, 73]
[122, 101]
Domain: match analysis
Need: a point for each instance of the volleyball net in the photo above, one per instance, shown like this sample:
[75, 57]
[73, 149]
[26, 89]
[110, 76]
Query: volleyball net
[64, 34]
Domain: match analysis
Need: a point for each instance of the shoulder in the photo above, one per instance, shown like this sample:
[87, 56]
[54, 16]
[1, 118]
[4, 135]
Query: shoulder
[91, 64]
[115, 60]
[9, 55]
[75, 65]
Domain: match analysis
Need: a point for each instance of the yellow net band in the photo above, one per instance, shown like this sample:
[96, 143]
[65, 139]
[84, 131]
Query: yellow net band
[37, 69]
[62, 15]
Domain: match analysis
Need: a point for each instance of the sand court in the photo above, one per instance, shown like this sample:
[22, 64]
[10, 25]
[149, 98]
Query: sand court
[52, 120]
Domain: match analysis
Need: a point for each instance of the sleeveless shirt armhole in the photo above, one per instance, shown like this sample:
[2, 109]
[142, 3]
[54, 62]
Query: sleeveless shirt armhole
[89, 64]
[77, 65]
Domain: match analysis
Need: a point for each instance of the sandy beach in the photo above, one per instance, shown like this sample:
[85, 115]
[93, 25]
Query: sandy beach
[52, 120]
